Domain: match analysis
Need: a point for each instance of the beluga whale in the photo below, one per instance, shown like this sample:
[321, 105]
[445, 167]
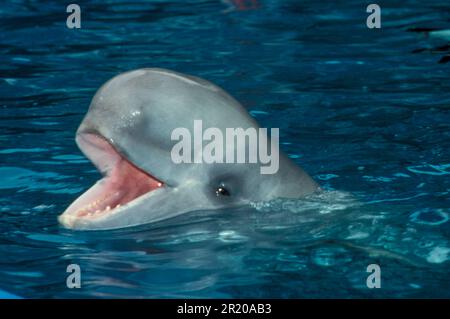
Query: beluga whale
[130, 135]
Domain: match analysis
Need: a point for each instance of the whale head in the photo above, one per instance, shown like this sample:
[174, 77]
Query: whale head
[128, 134]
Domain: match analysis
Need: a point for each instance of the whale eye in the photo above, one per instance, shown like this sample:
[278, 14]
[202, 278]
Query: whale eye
[222, 191]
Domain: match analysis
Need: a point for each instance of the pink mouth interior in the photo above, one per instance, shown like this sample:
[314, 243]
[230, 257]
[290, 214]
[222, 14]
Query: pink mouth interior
[122, 182]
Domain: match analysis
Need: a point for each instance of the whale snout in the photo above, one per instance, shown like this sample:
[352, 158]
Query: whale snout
[122, 182]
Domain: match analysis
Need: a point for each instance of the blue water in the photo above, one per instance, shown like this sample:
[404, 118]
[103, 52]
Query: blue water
[366, 112]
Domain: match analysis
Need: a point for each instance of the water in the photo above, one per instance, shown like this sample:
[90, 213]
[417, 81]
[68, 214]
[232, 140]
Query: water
[365, 112]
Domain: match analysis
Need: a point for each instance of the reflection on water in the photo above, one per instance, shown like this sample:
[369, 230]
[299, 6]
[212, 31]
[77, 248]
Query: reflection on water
[366, 112]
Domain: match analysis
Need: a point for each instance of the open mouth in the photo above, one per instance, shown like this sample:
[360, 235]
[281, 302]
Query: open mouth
[122, 182]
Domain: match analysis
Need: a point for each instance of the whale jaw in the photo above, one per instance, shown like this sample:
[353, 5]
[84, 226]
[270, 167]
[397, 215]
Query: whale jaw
[122, 183]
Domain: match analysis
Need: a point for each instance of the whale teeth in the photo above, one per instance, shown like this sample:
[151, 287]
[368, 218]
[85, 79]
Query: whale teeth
[94, 208]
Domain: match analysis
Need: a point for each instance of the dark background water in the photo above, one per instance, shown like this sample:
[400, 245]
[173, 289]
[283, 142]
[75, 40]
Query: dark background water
[365, 111]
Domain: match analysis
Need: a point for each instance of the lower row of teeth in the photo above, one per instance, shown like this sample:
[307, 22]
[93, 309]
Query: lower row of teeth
[88, 209]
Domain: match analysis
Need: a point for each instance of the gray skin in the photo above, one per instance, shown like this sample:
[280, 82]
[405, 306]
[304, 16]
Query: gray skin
[137, 111]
